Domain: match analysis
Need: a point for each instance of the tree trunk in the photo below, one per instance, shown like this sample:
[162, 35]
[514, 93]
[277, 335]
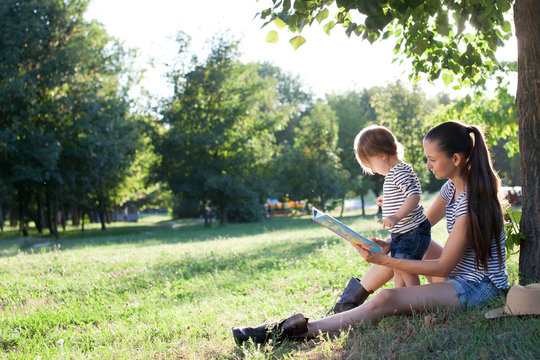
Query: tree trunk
[63, 217]
[22, 201]
[527, 22]
[47, 211]
[75, 218]
[40, 217]
[342, 207]
[101, 213]
[82, 220]
[363, 206]
[222, 215]
[12, 218]
[51, 215]
[55, 219]
[1, 219]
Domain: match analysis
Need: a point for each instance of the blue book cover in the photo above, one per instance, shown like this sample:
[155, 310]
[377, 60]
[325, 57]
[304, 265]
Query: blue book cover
[344, 231]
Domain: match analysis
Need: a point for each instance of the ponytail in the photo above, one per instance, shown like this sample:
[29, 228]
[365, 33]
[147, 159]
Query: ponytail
[484, 207]
[485, 220]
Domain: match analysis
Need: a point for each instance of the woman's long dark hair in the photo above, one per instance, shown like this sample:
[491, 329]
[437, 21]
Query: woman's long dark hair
[484, 208]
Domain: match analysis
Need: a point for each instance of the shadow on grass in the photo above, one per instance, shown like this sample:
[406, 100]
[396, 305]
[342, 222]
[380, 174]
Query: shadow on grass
[169, 232]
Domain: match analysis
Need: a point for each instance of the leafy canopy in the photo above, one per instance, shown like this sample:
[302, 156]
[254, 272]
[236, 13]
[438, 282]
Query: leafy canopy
[453, 38]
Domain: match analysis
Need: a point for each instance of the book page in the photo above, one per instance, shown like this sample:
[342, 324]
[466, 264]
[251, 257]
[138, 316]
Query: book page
[344, 231]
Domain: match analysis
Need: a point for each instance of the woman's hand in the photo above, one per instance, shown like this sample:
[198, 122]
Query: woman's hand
[384, 244]
[378, 257]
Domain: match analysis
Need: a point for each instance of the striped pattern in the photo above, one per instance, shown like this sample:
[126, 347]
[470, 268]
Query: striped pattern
[400, 183]
[466, 268]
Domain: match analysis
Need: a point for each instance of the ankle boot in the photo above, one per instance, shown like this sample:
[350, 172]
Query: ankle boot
[353, 296]
[290, 328]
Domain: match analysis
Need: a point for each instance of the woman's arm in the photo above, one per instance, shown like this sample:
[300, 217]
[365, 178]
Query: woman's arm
[436, 211]
[451, 254]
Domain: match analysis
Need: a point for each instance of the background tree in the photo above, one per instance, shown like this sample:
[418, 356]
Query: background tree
[59, 88]
[310, 169]
[354, 111]
[221, 122]
[435, 35]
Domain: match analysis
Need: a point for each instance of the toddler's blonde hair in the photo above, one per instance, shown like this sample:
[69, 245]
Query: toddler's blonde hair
[375, 140]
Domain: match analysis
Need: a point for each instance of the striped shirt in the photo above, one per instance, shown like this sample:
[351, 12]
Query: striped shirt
[466, 268]
[400, 183]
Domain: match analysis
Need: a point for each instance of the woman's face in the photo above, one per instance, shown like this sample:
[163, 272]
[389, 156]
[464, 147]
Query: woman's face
[442, 166]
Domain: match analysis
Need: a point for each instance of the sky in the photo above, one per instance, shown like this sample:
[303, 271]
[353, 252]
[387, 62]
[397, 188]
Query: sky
[325, 64]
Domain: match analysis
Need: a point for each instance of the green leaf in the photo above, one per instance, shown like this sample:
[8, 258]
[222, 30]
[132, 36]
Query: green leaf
[272, 36]
[506, 27]
[286, 5]
[265, 13]
[447, 78]
[323, 14]
[297, 41]
[280, 23]
[291, 21]
[329, 26]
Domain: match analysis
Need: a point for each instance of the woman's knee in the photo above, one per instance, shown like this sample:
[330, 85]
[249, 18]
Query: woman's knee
[382, 299]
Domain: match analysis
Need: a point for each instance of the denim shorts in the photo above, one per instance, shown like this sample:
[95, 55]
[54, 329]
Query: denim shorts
[413, 244]
[471, 293]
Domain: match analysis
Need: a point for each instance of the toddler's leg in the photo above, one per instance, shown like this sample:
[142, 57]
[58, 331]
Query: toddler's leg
[398, 279]
[410, 279]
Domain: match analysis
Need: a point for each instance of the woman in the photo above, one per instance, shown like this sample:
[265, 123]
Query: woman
[468, 271]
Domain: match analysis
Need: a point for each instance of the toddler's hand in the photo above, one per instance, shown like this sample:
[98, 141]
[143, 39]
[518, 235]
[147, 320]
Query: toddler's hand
[389, 221]
[379, 200]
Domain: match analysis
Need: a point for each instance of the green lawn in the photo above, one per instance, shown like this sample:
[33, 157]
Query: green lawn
[172, 290]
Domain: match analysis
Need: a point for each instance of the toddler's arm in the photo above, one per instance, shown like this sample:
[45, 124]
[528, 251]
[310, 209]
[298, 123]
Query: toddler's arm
[406, 208]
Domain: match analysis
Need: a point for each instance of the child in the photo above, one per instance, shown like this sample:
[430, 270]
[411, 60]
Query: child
[378, 151]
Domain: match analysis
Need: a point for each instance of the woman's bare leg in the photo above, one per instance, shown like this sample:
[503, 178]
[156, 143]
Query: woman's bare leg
[389, 302]
[379, 275]
[376, 277]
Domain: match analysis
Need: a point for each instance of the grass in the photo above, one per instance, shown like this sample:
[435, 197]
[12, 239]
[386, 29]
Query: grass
[160, 289]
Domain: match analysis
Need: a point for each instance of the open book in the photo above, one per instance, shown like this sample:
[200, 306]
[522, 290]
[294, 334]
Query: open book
[344, 231]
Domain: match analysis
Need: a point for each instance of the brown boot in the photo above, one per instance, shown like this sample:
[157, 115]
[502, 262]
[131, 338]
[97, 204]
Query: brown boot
[353, 296]
[291, 328]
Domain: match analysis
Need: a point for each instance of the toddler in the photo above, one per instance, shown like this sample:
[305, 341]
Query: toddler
[378, 151]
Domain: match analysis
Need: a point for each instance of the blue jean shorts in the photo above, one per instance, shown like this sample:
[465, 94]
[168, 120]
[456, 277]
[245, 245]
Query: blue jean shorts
[474, 294]
[413, 244]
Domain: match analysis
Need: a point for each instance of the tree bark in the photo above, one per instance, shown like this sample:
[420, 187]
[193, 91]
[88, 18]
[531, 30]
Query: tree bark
[75, 218]
[82, 220]
[101, 213]
[222, 215]
[24, 198]
[1, 219]
[40, 217]
[55, 219]
[63, 217]
[527, 22]
[12, 218]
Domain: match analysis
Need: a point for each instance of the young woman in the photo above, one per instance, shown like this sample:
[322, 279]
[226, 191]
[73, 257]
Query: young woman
[468, 271]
